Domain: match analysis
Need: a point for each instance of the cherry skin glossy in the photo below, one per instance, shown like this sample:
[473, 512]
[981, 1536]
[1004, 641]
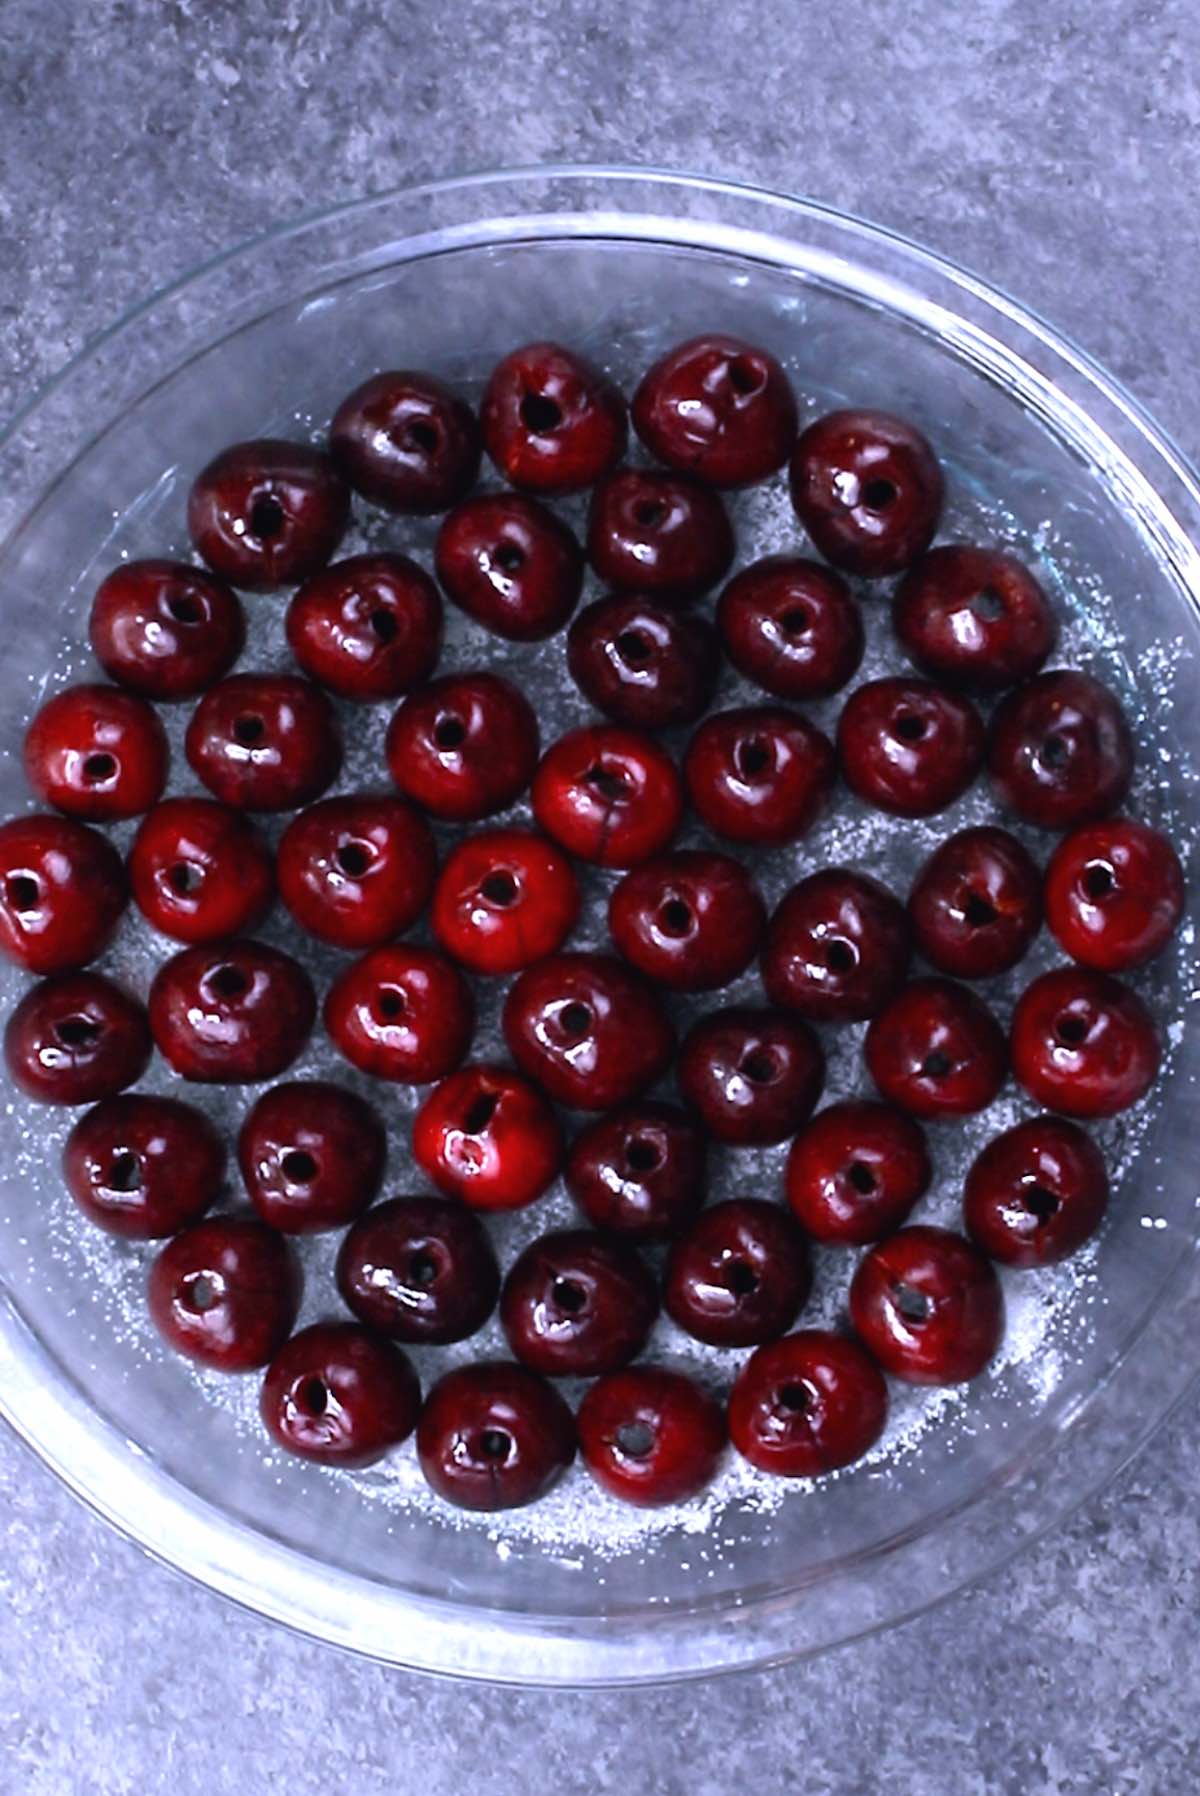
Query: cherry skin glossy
[419, 1270]
[644, 664]
[199, 871]
[232, 1013]
[691, 921]
[591, 1033]
[909, 747]
[868, 489]
[976, 904]
[759, 774]
[974, 616]
[1060, 753]
[62, 893]
[511, 564]
[639, 1172]
[357, 871]
[752, 1076]
[808, 1404]
[575, 1304]
[338, 1394]
[837, 947]
[225, 1293]
[488, 1137]
[406, 441]
[464, 747]
[505, 898]
[855, 1171]
[143, 1167]
[1083, 1043]
[494, 1436]
[165, 629]
[368, 628]
[650, 1436]
[739, 1276]
[268, 512]
[97, 753]
[928, 1306]
[552, 422]
[1114, 894]
[718, 408]
[402, 1013]
[662, 534]
[311, 1156]
[1036, 1193]
[936, 1050]
[792, 626]
[264, 742]
[75, 1039]
[608, 795]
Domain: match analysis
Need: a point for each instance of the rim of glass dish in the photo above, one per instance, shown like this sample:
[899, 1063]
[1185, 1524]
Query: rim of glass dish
[129, 1492]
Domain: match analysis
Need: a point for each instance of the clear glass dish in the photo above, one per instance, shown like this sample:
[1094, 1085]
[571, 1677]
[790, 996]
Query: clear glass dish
[1043, 449]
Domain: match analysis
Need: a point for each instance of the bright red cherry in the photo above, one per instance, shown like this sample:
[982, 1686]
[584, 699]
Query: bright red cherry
[587, 1030]
[407, 442]
[752, 1076]
[1061, 753]
[936, 1050]
[976, 616]
[199, 871]
[640, 1171]
[265, 513]
[909, 747]
[608, 795]
[420, 1270]
[692, 921]
[759, 774]
[740, 1275]
[369, 627]
[976, 904]
[357, 871]
[552, 422]
[1083, 1043]
[311, 1156]
[402, 1013]
[718, 408]
[855, 1171]
[488, 1137]
[929, 1306]
[464, 747]
[338, 1394]
[62, 892]
[575, 1305]
[808, 1404]
[1114, 894]
[264, 742]
[165, 629]
[142, 1166]
[505, 898]
[232, 1013]
[511, 564]
[650, 1436]
[663, 534]
[494, 1436]
[1036, 1193]
[97, 753]
[642, 663]
[75, 1039]
[837, 948]
[868, 489]
[225, 1293]
[791, 626]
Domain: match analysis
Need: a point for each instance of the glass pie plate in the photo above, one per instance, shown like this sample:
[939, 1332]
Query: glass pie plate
[1044, 452]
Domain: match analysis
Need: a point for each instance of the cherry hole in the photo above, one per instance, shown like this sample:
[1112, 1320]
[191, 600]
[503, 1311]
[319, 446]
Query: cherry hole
[745, 376]
[569, 1296]
[509, 557]
[267, 518]
[77, 1031]
[200, 1293]
[761, 1066]
[316, 1396]
[1040, 1203]
[752, 758]
[495, 1443]
[936, 1065]
[249, 730]
[675, 917]
[384, 624]
[878, 495]
[576, 1018]
[125, 1172]
[978, 911]
[988, 605]
[185, 877]
[99, 767]
[610, 782]
[186, 610]
[642, 1155]
[634, 1440]
[480, 1113]
[740, 1278]
[422, 1270]
[354, 858]
[861, 1177]
[229, 982]
[298, 1167]
[539, 414]
[1054, 752]
[650, 513]
[450, 732]
[22, 892]
[391, 1003]
[796, 1398]
[1071, 1030]
[1098, 879]
[633, 648]
[909, 727]
[500, 888]
[912, 1304]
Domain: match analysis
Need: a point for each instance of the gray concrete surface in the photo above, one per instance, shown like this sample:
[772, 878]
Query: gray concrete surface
[1055, 147]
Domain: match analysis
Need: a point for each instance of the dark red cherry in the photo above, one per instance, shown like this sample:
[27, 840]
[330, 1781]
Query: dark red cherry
[837, 948]
[97, 753]
[552, 422]
[855, 1171]
[759, 774]
[232, 1013]
[142, 1166]
[225, 1293]
[369, 627]
[587, 1030]
[663, 534]
[1114, 894]
[1084, 1043]
[740, 1275]
[692, 921]
[511, 564]
[575, 1305]
[1061, 753]
[808, 1404]
[929, 1306]
[338, 1394]
[936, 1050]
[868, 489]
[718, 408]
[494, 1436]
[419, 1269]
[407, 442]
[62, 892]
[608, 795]
[791, 626]
[464, 747]
[265, 513]
[650, 1436]
[357, 871]
[639, 1172]
[402, 1013]
[909, 747]
[752, 1076]
[505, 898]
[488, 1137]
[199, 871]
[976, 616]
[644, 664]
[264, 742]
[165, 629]
[75, 1039]
[311, 1156]
[1036, 1193]
[976, 904]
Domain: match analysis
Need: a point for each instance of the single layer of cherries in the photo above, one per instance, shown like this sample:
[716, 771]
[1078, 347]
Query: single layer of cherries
[488, 1137]
[639, 1171]
[645, 664]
